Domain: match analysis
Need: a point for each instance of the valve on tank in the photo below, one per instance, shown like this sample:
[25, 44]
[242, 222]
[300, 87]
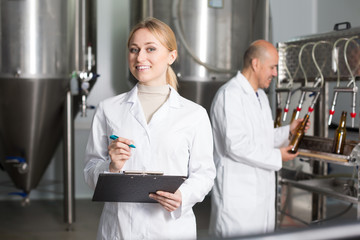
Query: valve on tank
[18, 162]
[81, 81]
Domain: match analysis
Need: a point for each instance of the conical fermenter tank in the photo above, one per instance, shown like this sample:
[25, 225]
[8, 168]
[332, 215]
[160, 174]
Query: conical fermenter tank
[41, 43]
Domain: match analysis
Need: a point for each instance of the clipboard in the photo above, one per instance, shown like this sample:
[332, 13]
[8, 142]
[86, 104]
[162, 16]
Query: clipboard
[119, 187]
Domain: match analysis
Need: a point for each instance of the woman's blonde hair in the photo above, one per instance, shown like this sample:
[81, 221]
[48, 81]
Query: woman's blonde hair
[165, 35]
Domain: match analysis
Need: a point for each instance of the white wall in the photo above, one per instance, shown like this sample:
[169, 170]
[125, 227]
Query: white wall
[290, 18]
[334, 11]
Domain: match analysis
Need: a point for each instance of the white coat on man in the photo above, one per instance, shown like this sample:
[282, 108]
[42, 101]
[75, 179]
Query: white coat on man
[246, 158]
[177, 141]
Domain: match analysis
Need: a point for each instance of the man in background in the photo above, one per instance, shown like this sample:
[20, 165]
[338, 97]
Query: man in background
[247, 148]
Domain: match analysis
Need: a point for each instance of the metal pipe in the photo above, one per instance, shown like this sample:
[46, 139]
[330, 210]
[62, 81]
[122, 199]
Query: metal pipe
[332, 110]
[301, 101]
[312, 105]
[344, 89]
[69, 190]
[321, 79]
[353, 109]
[335, 59]
[337, 90]
[352, 80]
[300, 61]
[267, 20]
[289, 86]
[311, 89]
[286, 108]
[84, 39]
[83, 105]
[299, 107]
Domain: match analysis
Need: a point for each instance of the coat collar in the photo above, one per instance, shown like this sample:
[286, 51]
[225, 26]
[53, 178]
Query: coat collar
[244, 83]
[173, 101]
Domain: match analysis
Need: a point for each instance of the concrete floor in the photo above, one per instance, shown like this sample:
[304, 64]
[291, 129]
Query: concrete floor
[44, 220]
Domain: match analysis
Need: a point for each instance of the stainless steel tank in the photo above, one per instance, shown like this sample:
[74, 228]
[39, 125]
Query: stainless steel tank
[212, 37]
[42, 42]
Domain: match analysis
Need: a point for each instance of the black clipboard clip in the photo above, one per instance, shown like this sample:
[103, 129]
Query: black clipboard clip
[155, 173]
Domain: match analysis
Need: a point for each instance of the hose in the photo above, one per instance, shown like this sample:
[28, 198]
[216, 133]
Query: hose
[178, 29]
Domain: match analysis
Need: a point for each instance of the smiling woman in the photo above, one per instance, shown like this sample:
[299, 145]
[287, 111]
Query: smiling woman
[171, 134]
[148, 43]
[149, 59]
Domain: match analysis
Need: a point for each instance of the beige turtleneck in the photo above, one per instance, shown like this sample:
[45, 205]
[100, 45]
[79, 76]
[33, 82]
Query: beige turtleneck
[152, 98]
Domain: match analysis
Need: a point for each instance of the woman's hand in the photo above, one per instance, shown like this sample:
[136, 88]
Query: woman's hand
[170, 201]
[119, 152]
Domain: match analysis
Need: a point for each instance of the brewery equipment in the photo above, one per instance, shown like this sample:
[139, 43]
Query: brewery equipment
[212, 38]
[44, 45]
[329, 65]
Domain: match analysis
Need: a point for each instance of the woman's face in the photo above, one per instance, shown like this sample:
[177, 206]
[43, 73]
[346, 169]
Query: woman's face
[148, 58]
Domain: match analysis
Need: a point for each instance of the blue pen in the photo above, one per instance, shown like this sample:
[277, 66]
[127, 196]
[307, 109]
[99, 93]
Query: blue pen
[114, 137]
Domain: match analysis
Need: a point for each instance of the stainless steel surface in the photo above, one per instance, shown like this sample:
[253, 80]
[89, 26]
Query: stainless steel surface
[320, 113]
[323, 56]
[69, 182]
[200, 92]
[345, 230]
[267, 22]
[42, 42]
[29, 53]
[355, 153]
[319, 60]
[211, 39]
[337, 188]
[30, 126]
[321, 148]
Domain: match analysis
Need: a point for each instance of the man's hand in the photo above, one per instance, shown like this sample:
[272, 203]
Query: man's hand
[296, 123]
[286, 155]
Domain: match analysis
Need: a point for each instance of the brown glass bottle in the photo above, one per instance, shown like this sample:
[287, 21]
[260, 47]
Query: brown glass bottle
[299, 134]
[293, 116]
[277, 122]
[340, 135]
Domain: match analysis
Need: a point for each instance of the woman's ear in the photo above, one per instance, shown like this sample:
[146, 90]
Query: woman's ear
[172, 57]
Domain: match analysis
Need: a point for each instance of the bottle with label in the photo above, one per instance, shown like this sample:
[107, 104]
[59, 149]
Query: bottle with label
[277, 122]
[299, 134]
[340, 135]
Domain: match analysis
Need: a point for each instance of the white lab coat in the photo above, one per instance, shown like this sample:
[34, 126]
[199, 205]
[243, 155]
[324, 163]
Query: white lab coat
[246, 158]
[178, 141]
